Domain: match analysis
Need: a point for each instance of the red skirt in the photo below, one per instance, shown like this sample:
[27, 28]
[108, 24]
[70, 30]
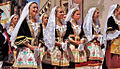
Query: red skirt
[112, 60]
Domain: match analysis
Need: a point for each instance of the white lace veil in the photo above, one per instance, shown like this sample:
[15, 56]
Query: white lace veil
[69, 16]
[24, 14]
[87, 25]
[41, 18]
[49, 36]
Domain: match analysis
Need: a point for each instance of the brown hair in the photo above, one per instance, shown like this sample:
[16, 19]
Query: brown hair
[94, 12]
[57, 10]
[32, 3]
[44, 15]
[74, 11]
[116, 9]
[11, 24]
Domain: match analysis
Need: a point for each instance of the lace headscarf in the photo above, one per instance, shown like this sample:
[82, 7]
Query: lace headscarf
[41, 17]
[87, 26]
[9, 21]
[69, 16]
[49, 36]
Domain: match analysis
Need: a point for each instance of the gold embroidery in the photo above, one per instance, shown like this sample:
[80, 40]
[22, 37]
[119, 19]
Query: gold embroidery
[19, 37]
[34, 40]
[21, 41]
[115, 46]
[110, 28]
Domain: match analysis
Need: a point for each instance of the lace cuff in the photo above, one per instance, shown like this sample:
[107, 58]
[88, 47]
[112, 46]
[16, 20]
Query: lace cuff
[64, 46]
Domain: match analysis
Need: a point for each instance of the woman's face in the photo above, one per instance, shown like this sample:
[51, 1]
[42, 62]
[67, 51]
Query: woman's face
[96, 14]
[45, 18]
[33, 9]
[76, 15]
[15, 19]
[60, 13]
[64, 16]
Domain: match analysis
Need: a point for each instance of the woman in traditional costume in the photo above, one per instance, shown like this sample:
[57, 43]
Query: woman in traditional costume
[95, 45]
[12, 23]
[76, 38]
[43, 49]
[26, 36]
[112, 32]
[54, 37]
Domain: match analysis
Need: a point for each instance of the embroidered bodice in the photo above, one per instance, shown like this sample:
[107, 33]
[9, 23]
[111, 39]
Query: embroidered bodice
[35, 26]
[61, 30]
[76, 29]
[96, 29]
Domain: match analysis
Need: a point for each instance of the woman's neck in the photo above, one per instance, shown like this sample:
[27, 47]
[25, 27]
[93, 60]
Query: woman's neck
[94, 21]
[13, 25]
[32, 19]
[58, 22]
[74, 22]
[116, 16]
[44, 25]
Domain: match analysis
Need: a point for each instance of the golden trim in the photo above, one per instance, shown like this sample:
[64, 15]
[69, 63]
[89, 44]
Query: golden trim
[29, 38]
[24, 66]
[109, 28]
[96, 58]
[111, 31]
[21, 41]
[19, 37]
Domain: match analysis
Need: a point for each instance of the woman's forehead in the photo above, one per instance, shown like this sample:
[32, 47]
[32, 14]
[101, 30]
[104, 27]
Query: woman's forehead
[34, 4]
[60, 9]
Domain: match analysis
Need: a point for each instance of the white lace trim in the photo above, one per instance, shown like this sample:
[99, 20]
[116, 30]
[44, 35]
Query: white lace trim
[111, 36]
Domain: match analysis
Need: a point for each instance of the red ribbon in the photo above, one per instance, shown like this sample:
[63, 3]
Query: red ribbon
[8, 41]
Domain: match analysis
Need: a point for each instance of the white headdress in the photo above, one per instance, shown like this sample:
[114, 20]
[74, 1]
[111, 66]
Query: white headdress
[87, 26]
[49, 36]
[25, 13]
[9, 21]
[41, 17]
[69, 16]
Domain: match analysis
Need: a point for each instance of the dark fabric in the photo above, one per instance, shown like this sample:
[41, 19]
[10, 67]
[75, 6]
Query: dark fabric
[1, 28]
[25, 31]
[47, 66]
[1, 11]
[104, 66]
[41, 33]
[70, 30]
[111, 23]
[72, 65]
[3, 47]
[94, 30]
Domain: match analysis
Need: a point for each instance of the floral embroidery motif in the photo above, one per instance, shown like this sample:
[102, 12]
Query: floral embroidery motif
[25, 59]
